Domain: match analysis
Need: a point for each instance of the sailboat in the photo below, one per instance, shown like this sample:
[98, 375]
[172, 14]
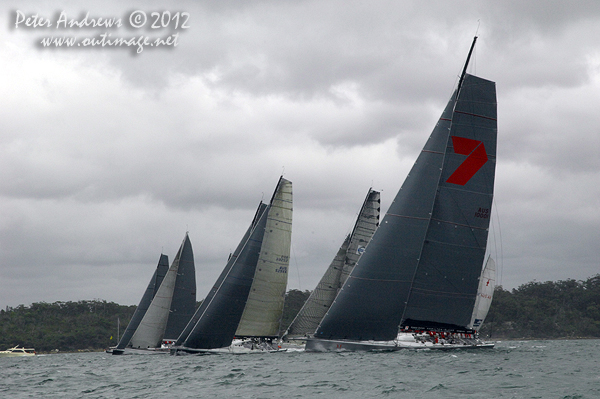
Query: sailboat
[307, 320]
[166, 301]
[260, 322]
[416, 283]
[183, 304]
[250, 290]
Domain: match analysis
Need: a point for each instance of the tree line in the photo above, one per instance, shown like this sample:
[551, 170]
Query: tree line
[536, 310]
[66, 326]
[546, 310]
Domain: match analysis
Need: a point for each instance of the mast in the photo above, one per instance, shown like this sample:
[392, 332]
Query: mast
[462, 75]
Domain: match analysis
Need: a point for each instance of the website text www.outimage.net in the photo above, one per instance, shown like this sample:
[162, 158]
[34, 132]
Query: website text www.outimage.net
[153, 22]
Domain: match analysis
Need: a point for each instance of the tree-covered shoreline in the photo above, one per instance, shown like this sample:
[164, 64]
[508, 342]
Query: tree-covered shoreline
[567, 309]
[63, 326]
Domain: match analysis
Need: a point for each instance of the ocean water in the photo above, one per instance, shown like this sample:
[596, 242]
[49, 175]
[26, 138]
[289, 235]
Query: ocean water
[513, 369]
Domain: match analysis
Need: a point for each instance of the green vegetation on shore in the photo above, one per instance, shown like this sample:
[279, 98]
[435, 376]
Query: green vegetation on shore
[548, 310]
[66, 326]
[536, 310]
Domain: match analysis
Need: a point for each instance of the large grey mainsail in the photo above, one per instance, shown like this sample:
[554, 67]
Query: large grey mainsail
[183, 304]
[215, 323]
[140, 311]
[422, 266]
[307, 320]
[228, 289]
[264, 308]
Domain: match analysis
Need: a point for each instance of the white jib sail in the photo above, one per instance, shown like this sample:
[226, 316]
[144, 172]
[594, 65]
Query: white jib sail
[487, 283]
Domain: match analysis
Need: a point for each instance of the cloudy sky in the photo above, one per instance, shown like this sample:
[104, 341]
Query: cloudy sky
[108, 156]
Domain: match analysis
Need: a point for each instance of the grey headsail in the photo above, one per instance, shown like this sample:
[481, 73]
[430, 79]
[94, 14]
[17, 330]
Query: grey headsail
[217, 319]
[183, 304]
[422, 266]
[152, 327]
[307, 320]
[232, 286]
[140, 311]
[264, 308]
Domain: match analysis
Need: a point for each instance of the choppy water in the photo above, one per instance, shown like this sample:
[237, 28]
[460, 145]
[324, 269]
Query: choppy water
[524, 369]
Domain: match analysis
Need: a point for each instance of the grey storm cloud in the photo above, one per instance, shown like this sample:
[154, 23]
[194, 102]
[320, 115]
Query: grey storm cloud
[109, 156]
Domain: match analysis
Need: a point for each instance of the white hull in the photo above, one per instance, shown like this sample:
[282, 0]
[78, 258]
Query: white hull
[17, 352]
[403, 341]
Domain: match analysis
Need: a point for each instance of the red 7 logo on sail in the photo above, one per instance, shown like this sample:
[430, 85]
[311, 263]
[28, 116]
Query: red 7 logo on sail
[475, 160]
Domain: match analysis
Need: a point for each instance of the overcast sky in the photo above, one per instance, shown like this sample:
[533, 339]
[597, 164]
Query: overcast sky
[109, 156]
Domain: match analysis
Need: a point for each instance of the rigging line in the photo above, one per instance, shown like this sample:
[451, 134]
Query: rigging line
[297, 268]
[501, 263]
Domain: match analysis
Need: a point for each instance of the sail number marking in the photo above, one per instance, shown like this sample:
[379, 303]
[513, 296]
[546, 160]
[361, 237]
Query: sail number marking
[483, 213]
[282, 269]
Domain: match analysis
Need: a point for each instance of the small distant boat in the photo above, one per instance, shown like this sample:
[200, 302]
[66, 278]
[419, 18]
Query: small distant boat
[247, 298]
[417, 282]
[165, 308]
[16, 351]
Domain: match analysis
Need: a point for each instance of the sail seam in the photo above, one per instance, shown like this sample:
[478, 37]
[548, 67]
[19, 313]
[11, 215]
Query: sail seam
[459, 224]
[475, 115]
[407, 217]
[377, 279]
[444, 293]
